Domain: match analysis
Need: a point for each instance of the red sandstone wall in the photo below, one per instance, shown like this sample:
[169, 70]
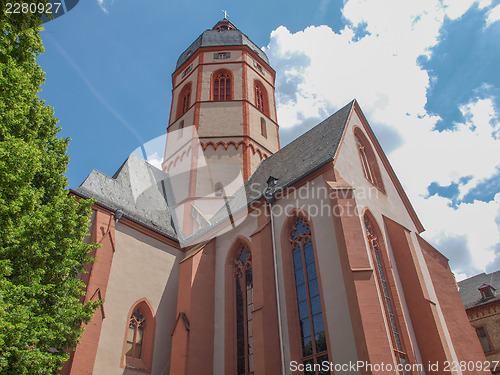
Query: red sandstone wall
[193, 349]
[465, 341]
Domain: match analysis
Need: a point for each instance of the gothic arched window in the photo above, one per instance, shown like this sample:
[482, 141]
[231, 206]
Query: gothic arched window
[309, 304]
[221, 86]
[387, 300]
[139, 337]
[244, 310]
[261, 97]
[184, 100]
[135, 334]
[368, 159]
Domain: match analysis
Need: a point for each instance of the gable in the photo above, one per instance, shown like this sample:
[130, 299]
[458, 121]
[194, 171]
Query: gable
[392, 197]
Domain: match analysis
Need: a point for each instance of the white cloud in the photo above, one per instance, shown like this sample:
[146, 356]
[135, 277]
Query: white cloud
[155, 160]
[101, 5]
[319, 69]
[493, 15]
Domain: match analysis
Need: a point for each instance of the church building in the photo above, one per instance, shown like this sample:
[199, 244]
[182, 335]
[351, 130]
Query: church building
[312, 264]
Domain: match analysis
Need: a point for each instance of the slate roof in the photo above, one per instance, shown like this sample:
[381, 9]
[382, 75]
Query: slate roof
[214, 38]
[296, 160]
[469, 289]
[138, 189]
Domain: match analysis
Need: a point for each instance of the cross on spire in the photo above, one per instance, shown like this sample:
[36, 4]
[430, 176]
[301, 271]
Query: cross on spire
[225, 14]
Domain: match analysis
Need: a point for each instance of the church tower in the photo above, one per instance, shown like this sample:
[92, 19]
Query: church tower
[223, 85]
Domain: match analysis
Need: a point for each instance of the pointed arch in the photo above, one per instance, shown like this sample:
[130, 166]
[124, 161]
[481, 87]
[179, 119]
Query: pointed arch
[307, 325]
[388, 295]
[261, 97]
[222, 85]
[368, 159]
[138, 343]
[184, 99]
[238, 307]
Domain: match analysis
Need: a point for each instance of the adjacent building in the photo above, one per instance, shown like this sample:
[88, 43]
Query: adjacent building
[482, 303]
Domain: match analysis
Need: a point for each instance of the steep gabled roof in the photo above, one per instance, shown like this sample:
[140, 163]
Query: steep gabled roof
[292, 163]
[138, 189]
[469, 289]
[301, 157]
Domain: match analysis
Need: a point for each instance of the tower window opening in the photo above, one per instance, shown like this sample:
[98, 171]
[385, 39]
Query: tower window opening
[263, 128]
[222, 55]
[184, 100]
[218, 189]
[260, 97]
[185, 72]
[222, 87]
[258, 66]
[181, 129]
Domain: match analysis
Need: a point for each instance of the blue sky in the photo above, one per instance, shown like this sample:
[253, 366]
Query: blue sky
[426, 75]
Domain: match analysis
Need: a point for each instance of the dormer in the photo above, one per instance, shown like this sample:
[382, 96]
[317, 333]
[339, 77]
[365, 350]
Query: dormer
[487, 292]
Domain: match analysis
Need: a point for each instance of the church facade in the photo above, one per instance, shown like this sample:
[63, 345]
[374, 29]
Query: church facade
[317, 267]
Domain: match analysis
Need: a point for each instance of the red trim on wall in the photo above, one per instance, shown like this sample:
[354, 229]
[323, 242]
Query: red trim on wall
[96, 279]
[465, 342]
[393, 290]
[367, 319]
[193, 338]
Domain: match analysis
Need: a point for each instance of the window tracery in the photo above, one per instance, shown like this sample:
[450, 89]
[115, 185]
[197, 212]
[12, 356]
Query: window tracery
[135, 335]
[309, 304]
[388, 303]
[244, 311]
[222, 87]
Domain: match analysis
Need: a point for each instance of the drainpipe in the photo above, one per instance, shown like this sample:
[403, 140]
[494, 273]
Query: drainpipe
[269, 196]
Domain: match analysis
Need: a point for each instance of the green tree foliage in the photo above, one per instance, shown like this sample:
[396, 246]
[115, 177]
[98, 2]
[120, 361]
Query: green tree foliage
[42, 229]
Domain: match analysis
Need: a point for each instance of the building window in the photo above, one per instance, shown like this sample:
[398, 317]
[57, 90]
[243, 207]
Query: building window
[369, 163]
[483, 339]
[244, 311]
[263, 128]
[189, 68]
[309, 304]
[139, 337]
[219, 190]
[184, 100]
[258, 66]
[222, 55]
[487, 292]
[387, 302]
[181, 129]
[135, 335]
[261, 97]
[222, 86]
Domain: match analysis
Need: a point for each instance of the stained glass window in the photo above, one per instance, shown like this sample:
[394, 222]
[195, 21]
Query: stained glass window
[311, 321]
[399, 352]
[244, 311]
